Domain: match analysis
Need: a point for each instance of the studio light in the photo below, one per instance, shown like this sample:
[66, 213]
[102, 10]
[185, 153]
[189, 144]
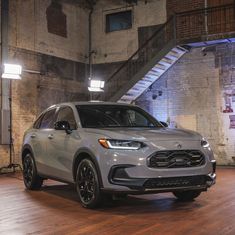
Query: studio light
[12, 71]
[96, 86]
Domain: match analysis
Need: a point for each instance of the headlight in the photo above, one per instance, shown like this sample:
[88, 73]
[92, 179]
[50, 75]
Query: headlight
[121, 144]
[205, 143]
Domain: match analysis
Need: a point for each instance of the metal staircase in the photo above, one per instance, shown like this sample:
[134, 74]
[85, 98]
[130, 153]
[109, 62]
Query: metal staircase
[155, 73]
[166, 46]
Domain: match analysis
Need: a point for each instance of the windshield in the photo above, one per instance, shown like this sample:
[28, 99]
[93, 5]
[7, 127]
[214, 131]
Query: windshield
[101, 116]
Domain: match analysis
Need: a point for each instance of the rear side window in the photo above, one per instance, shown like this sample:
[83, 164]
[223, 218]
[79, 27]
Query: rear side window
[48, 120]
[66, 114]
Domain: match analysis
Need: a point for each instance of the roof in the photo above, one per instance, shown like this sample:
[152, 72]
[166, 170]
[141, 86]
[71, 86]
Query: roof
[89, 103]
[98, 103]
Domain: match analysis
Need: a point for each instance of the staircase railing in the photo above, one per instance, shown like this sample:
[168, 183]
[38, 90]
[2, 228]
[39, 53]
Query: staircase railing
[205, 24]
[140, 58]
[181, 28]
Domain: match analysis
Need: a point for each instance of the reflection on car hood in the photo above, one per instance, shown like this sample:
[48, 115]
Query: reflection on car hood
[146, 134]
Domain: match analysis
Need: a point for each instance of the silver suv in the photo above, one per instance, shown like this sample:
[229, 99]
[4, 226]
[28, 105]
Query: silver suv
[115, 149]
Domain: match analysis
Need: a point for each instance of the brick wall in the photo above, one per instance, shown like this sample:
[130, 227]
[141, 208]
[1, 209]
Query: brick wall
[176, 6]
[36, 46]
[196, 26]
[193, 97]
[33, 93]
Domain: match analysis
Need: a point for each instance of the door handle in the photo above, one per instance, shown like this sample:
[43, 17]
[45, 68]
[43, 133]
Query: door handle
[50, 136]
[33, 136]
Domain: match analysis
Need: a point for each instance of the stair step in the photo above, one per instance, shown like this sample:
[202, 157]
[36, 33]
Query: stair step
[182, 49]
[147, 81]
[167, 60]
[163, 63]
[140, 87]
[178, 51]
[154, 72]
[159, 66]
[130, 94]
[143, 83]
[127, 99]
[135, 89]
[174, 55]
[171, 57]
[151, 76]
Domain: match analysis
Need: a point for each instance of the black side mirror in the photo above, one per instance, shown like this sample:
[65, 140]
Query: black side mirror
[63, 125]
[164, 124]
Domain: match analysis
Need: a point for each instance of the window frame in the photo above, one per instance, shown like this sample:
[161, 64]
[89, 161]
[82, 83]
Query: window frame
[107, 21]
[40, 118]
[37, 122]
[66, 106]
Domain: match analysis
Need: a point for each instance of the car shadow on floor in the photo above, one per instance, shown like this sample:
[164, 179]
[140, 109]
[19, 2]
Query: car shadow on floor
[133, 203]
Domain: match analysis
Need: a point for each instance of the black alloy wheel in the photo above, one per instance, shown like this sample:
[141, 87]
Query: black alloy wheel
[87, 184]
[31, 180]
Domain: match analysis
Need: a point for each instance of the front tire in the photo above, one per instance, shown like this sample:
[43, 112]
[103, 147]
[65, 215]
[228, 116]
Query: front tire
[87, 184]
[187, 195]
[32, 180]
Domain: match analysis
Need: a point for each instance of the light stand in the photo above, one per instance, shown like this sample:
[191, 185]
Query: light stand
[12, 166]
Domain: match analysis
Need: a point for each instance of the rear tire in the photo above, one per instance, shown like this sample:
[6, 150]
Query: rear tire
[187, 195]
[88, 185]
[32, 180]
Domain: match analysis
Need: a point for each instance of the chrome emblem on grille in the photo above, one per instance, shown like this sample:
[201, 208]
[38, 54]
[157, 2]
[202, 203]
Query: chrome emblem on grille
[179, 146]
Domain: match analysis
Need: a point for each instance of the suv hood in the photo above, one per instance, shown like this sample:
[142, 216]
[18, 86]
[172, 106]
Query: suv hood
[146, 134]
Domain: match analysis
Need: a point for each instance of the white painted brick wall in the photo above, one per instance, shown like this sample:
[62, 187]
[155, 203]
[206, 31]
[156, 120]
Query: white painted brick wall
[192, 97]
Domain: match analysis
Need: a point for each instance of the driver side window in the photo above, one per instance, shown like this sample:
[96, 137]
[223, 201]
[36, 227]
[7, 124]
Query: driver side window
[66, 114]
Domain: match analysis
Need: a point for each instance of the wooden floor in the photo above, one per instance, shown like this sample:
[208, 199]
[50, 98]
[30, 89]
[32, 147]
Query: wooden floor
[55, 210]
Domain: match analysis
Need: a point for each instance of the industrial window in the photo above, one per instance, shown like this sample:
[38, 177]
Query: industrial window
[118, 21]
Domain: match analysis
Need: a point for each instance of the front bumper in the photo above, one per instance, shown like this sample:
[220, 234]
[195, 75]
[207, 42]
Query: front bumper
[119, 177]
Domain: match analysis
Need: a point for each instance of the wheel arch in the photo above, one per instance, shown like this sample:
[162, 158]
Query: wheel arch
[81, 154]
[26, 149]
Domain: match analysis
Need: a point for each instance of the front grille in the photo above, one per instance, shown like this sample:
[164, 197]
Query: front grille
[174, 182]
[176, 159]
